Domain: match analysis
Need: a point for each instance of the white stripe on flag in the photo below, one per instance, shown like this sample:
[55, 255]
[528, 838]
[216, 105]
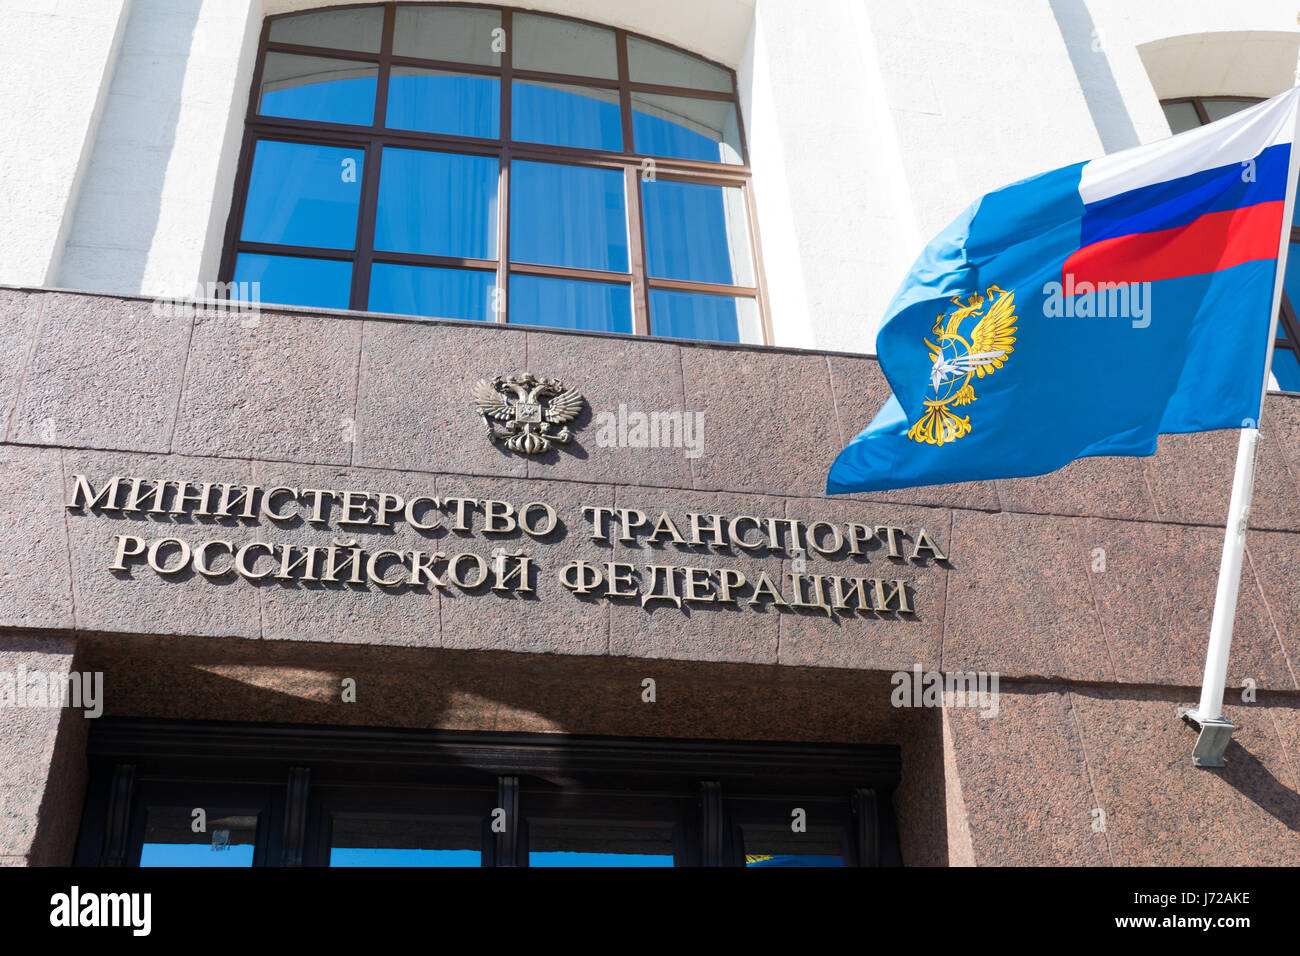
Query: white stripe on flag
[1233, 139]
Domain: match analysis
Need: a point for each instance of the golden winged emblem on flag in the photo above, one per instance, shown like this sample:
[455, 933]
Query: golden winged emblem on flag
[957, 360]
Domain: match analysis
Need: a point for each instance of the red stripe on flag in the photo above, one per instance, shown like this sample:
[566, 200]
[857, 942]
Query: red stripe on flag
[1215, 241]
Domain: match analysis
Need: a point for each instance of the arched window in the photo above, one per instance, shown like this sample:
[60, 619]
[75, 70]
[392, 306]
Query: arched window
[1188, 112]
[474, 162]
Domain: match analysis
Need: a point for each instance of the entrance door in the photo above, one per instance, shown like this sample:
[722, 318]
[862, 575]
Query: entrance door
[166, 793]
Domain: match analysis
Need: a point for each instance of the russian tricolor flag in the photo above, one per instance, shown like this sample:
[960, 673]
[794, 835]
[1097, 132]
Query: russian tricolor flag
[1207, 200]
[1088, 310]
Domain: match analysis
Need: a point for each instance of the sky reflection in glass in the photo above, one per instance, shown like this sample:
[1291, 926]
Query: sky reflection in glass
[1286, 369]
[796, 859]
[431, 292]
[196, 855]
[570, 304]
[437, 204]
[572, 858]
[572, 216]
[385, 856]
[291, 280]
[1292, 280]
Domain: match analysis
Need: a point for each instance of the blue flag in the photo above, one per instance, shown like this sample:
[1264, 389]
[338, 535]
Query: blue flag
[1086, 311]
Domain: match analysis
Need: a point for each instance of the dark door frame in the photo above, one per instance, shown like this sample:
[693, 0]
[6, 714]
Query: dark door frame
[295, 777]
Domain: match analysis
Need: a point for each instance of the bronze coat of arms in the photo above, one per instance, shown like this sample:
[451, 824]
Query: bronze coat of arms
[528, 413]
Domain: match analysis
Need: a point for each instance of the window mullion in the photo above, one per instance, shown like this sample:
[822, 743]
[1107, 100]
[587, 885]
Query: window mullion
[501, 299]
[632, 203]
[365, 243]
[756, 254]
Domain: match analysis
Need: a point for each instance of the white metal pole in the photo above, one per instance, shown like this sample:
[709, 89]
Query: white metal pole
[1210, 707]
[1225, 597]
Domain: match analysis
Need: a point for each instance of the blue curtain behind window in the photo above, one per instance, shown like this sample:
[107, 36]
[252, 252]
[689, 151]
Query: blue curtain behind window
[570, 216]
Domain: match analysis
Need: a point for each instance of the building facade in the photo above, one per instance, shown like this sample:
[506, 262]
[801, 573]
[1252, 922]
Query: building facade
[417, 419]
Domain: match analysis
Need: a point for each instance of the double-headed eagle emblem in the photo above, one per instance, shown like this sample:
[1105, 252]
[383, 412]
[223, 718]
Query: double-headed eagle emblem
[957, 361]
[524, 410]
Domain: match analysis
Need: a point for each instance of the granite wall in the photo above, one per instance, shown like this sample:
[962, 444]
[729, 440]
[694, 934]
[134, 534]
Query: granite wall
[1088, 591]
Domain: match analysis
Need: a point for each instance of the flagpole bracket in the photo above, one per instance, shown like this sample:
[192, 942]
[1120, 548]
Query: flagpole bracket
[1214, 736]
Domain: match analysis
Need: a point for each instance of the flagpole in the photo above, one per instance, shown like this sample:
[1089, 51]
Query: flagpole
[1207, 716]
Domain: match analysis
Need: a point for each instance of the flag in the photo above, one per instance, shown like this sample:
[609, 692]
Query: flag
[1085, 311]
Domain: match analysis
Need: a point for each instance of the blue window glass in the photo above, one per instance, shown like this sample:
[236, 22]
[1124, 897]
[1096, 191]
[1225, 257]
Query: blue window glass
[570, 304]
[768, 846]
[1286, 369]
[436, 293]
[303, 195]
[434, 101]
[194, 855]
[686, 128]
[584, 117]
[437, 204]
[572, 216]
[577, 858]
[793, 859]
[1291, 282]
[384, 856]
[291, 280]
[169, 840]
[599, 843]
[712, 318]
[696, 232]
[318, 88]
[363, 840]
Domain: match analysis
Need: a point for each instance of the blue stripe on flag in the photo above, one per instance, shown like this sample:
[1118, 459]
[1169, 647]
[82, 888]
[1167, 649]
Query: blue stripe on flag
[1177, 202]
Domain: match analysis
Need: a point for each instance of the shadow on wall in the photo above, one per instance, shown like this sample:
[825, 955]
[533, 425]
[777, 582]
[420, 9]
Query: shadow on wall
[117, 209]
[1092, 67]
[292, 682]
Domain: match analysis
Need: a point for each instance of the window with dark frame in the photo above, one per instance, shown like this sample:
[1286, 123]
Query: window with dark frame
[1189, 112]
[477, 162]
[182, 793]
